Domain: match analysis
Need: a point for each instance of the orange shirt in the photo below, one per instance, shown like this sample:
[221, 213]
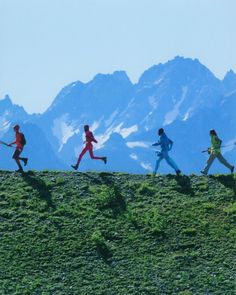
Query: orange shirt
[18, 141]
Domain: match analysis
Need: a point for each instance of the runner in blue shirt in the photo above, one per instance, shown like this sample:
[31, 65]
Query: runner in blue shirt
[166, 145]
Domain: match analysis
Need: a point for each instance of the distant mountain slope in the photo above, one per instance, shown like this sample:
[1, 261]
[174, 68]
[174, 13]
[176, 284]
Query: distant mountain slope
[37, 148]
[10, 113]
[182, 96]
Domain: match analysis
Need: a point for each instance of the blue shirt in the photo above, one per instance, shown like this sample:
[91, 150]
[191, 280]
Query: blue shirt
[164, 142]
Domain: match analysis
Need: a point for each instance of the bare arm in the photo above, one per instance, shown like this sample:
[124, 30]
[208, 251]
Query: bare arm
[10, 144]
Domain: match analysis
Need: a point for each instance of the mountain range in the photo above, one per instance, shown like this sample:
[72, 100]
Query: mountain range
[182, 96]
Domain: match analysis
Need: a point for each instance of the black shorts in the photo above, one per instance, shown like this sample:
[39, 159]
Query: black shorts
[16, 153]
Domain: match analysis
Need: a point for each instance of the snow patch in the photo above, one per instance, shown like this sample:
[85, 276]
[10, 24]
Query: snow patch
[125, 112]
[147, 121]
[125, 132]
[187, 114]
[153, 101]
[173, 114]
[73, 84]
[157, 82]
[133, 144]
[146, 166]
[62, 130]
[102, 138]
[133, 156]
[230, 93]
[111, 118]
[4, 125]
[145, 86]
[95, 125]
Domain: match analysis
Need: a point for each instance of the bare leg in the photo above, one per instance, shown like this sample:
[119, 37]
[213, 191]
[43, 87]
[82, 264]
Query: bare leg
[17, 158]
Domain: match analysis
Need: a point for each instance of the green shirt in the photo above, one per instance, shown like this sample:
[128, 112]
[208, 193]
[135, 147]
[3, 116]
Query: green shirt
[215, 144]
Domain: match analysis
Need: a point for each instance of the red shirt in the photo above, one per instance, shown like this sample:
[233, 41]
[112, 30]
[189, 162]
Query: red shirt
[89, 137]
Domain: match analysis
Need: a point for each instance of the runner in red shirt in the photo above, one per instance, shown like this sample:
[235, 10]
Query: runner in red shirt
[88, 147]
[19, 142]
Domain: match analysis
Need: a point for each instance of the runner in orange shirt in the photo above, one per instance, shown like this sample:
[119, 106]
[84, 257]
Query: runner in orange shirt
[20, 143]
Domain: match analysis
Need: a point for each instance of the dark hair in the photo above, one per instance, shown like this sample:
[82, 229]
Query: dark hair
[160, 131]
[16, 127]
[86, 127]
[213, 132]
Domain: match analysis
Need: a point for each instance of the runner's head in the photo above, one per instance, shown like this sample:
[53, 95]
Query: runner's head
[16, 128]
[213, 132]
[86, 128]
[160, 131]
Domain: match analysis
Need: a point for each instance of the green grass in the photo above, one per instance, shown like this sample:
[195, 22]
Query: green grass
[117, 234]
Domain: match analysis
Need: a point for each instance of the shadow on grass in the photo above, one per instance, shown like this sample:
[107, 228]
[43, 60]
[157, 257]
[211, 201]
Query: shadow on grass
[40, 186]
[94, 179]
[106, 178]
[184, 185]
[100, 178]
[118, 203]
[228, 181]
[115, 201]
[104, 252]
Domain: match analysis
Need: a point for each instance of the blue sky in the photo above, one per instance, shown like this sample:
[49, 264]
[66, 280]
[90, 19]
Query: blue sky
[46, 44]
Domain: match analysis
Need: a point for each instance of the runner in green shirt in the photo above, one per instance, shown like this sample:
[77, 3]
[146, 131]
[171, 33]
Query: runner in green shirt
[215, 152]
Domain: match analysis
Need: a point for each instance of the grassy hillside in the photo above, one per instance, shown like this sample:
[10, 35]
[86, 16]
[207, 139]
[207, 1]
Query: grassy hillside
[121, 234]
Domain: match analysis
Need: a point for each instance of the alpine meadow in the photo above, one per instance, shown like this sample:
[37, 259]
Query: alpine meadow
[117, 234]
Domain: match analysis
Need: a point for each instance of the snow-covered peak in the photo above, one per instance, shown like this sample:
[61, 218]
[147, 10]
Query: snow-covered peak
[175, 112]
